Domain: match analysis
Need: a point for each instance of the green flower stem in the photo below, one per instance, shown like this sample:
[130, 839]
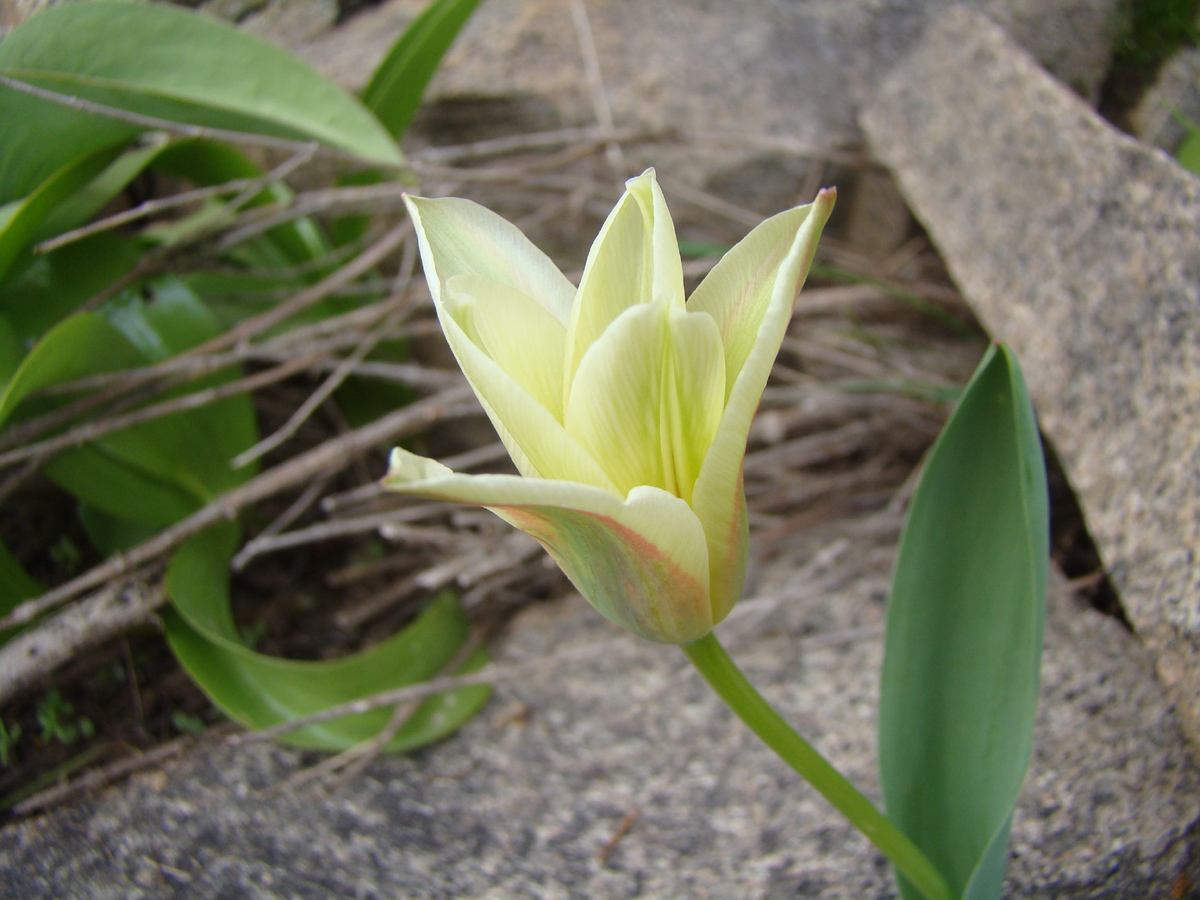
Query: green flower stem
[731, 685]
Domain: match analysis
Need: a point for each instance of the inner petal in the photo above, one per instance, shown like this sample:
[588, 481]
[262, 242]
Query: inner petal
[648, 397]
[517, 332]
[615, 406]
[693, 398]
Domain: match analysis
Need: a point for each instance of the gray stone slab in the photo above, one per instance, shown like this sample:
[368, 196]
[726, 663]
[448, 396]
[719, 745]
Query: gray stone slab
[798, 68]
[1175, 95]
[524, 800]
[1080, 247]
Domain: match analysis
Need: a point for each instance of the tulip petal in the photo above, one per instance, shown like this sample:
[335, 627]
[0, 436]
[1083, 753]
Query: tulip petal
[663, 246]
[693, 395]
[459, 237]
[717, 497]
[634, 259]
[641, 562]
[739, 289]
[533, 436]
[521, 336]
[615, 407]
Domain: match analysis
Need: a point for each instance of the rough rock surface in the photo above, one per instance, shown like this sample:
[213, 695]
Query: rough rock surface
[1078, 245]
[794, 68]
[1175, 93]
[526, 799]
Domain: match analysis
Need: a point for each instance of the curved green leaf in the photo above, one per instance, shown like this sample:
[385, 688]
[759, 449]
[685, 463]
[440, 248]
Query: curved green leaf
[161, 61]
[22, 219]
[395, 89]
[964, 634]
[258, 690]
[83, 344]
[49, 287]
[84, 203]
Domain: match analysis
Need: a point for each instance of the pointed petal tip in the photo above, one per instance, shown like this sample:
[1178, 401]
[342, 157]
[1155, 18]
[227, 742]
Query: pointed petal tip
[406, 468]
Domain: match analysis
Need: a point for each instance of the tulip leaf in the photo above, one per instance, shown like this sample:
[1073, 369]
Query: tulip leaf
[22, 220]
[964, 634]
[49, 287]
[83, 344]
[395, 89]
[259, 691]
[77, 209]
[160, 61]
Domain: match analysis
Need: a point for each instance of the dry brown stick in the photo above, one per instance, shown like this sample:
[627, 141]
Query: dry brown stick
[537, 140]
[595, 80]
[330, 456]
[98, 778]
[97, 428]
[283, 520]
[33, 654]
[397, 309]
[278, 348]
[366, 260]
[144, 209]
[323, 531]
[354, 759]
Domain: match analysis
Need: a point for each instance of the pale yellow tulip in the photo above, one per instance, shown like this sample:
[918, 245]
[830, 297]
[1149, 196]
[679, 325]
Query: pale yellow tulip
[625, 408]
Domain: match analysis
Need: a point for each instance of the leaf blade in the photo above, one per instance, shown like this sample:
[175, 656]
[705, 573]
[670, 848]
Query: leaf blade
[398, 83]
[160, 61]
[965, 620]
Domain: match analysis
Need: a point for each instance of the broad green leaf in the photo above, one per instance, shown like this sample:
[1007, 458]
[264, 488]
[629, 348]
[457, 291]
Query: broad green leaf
[395, 89]
[161, 61]
[120, 487]
[84, 203]
[46, 288]
[258, 690]
[83, 344]
[964, 634]
[23, 219]
[162, 470]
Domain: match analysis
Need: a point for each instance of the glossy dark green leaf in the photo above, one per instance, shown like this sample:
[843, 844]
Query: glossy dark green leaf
[165, 62]
[258, 690]
[90, 199]
[21, 220]
[395, 89]
[83, 344]
[49, 287]
[964, 634]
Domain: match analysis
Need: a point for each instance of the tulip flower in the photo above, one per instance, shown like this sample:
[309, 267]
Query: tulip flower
[625, 408]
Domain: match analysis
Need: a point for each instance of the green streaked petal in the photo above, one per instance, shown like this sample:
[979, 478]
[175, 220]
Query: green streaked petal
[520, 335]
[537, 443]
[615, 407]
[693, 395]
[642, 562]
[717, 497]
[459, 237]
[662, 246]
[634, 259]
[738, 291]
[614, 278]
